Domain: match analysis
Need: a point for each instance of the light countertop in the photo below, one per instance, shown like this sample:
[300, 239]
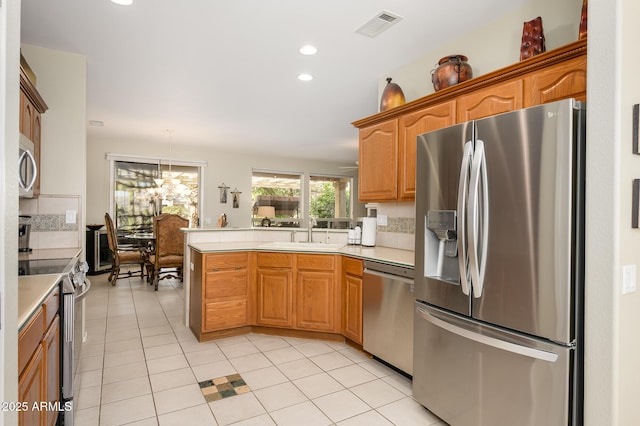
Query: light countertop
[32, 292]
[382, 254]
[34, 289]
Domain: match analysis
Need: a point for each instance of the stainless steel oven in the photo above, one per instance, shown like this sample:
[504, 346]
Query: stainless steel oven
[75, 287]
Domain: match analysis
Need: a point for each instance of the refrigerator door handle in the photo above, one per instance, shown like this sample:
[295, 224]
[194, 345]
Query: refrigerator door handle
[463, 190]
[478, 199]
[487, 340]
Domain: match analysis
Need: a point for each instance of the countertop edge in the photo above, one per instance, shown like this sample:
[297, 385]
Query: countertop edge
[382, 254]
[33, 290]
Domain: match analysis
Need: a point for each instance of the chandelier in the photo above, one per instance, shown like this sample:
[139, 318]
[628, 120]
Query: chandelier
[170, 187]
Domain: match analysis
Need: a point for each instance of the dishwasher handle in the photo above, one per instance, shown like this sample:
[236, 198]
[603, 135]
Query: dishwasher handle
[388, 276]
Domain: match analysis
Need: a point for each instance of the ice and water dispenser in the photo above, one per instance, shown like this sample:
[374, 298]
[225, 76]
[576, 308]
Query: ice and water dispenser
[441, 246]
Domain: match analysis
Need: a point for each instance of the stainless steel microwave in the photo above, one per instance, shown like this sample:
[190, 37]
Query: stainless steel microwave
[27, 167]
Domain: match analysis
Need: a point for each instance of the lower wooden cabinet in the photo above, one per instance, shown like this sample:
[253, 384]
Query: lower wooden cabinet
[39, 365]
[295, 291]
[51, 349]
[218, 291]
[317, 298]
[352, 299]
[31, 390]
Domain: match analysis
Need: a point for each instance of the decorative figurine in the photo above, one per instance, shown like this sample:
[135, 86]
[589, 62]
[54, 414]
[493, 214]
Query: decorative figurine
[532, 39]
[223, 193]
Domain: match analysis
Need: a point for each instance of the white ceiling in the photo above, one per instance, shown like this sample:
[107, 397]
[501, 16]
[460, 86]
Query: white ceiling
[223, 73]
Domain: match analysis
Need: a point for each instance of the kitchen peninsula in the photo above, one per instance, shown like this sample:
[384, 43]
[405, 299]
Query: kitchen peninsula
[245, 279]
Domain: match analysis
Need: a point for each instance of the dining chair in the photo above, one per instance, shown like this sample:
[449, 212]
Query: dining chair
[168, 255]
[122, 256]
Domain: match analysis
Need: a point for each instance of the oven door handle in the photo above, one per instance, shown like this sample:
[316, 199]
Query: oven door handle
[87, 286]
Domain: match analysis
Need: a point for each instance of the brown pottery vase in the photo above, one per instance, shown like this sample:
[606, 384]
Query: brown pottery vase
[451, 70]
[392, 96]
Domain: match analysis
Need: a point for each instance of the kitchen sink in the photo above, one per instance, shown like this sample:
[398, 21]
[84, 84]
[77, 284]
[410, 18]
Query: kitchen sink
[301, 246]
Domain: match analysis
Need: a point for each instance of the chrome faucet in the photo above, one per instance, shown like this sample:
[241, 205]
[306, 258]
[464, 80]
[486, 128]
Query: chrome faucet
[293, 236]
[312, 223]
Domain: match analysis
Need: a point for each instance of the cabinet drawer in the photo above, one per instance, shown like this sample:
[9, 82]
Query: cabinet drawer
[51, 306]
[221, 315]
[226, 261]
[352, 266]
[30, 338]
[325, 262]
[275, 260]
[225, 284]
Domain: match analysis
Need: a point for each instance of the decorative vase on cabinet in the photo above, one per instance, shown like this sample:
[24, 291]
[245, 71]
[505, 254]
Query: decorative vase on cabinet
[451, 70]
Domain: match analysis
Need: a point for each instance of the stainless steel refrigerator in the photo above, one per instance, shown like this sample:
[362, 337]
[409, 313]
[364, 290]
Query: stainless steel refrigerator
[498, 321]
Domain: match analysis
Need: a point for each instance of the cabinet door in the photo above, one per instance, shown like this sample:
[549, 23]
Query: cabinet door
[410, 126]
[352, 308]
[496, 99]
[561, 81]
[378, 162]
[31, 390]
[275, 297]
[315, 300]
[51, 342]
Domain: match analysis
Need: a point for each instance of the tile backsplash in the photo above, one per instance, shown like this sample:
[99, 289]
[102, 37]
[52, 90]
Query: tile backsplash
[399, 232]
[49, 227]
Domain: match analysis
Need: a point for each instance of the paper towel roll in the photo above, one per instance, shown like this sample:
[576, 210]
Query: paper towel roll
[369, 228]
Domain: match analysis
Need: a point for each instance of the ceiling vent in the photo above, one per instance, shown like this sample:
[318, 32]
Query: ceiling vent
[378, 24]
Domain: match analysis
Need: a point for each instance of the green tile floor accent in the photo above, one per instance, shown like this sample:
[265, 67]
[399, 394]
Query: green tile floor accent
[223, 387]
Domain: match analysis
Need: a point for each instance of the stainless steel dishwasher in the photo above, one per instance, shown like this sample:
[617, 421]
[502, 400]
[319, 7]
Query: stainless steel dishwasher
[387, 314]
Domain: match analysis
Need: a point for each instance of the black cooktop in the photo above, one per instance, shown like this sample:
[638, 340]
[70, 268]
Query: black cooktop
[43, 266]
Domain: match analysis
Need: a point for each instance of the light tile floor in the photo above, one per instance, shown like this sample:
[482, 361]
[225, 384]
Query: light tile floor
[141, 366]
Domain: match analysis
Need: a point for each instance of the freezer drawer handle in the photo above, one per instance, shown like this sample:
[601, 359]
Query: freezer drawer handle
[489, 341]
[463, 190]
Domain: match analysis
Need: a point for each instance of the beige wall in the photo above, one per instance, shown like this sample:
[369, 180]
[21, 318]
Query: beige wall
[231, 168]
[628, 316]
[62, 82]
[493, 46]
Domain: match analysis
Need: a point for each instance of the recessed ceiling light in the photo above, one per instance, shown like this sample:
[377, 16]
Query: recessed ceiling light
[123, 2]
[308, 50]
[305, 77]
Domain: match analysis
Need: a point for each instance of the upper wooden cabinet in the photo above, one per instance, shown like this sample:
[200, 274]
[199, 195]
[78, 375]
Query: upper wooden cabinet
[410, 126]
[378, 161]
[565, 80]
[492, 100]
[388, 139]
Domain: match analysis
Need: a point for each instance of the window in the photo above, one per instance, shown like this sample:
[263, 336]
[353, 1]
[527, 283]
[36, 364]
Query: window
[143, 189]
[330, 201]
[281, 191]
